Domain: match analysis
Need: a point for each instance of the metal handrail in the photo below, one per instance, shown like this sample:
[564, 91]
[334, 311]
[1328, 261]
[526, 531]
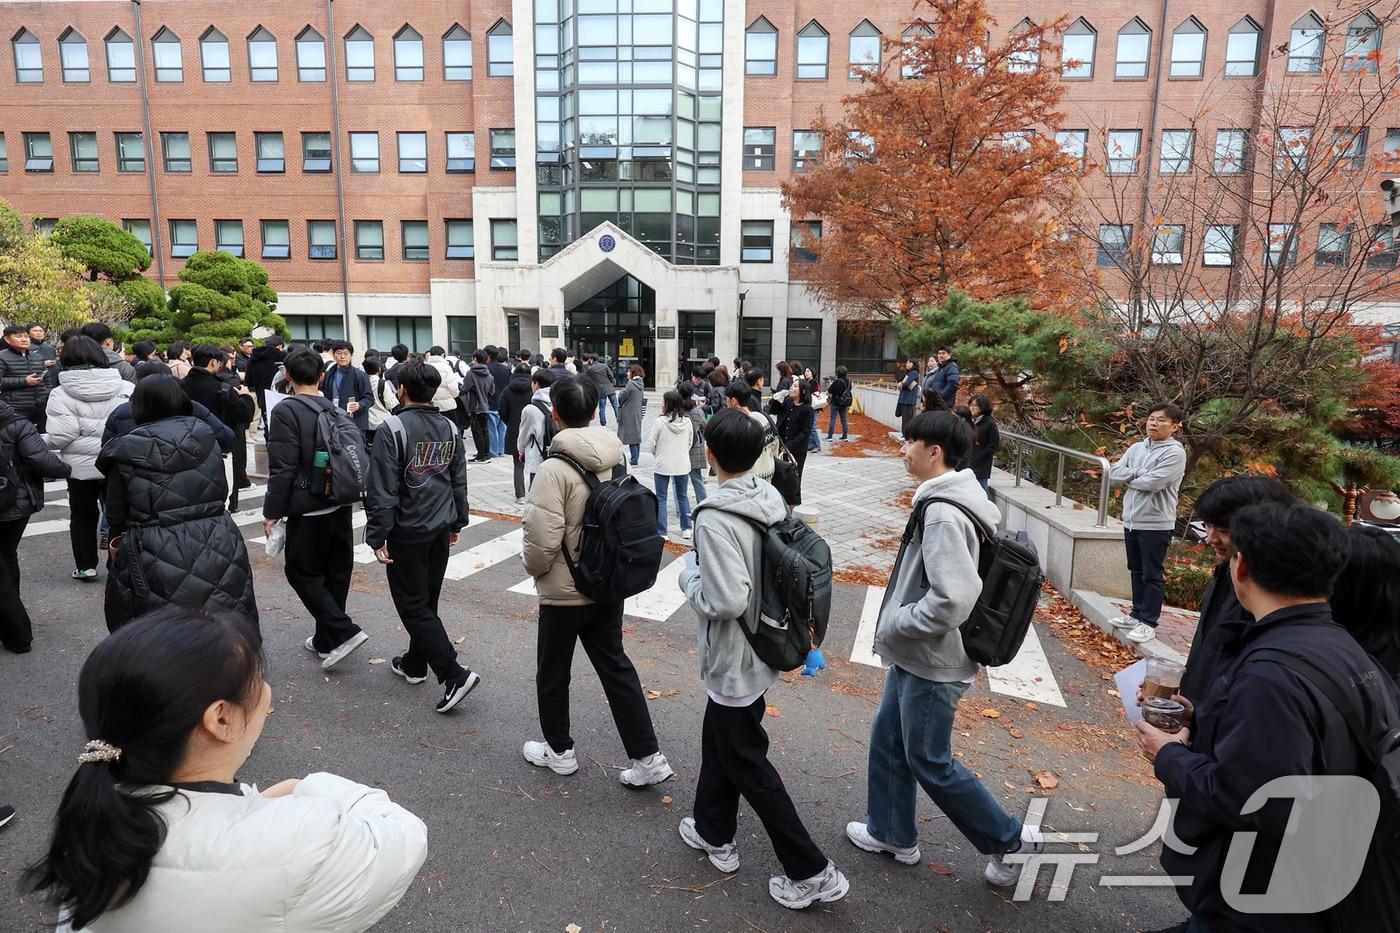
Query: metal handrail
[1063, 452]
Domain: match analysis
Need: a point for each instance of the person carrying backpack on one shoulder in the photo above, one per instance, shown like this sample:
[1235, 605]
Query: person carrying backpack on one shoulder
[933, 589]
[723, 583]
[537, 426]
[553, 526]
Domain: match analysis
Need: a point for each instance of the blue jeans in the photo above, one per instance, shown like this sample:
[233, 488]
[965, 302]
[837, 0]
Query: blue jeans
[814, 440]
[636, 451]
[911, 747]
[603, 409]
[697, 485]
[831, 421]
[496, 431]
[682, 500]
[1147, 555]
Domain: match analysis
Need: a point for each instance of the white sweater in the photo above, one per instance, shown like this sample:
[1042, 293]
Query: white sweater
[669, 440]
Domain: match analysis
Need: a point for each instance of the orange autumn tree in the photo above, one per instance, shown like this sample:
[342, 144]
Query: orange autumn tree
[944, 173]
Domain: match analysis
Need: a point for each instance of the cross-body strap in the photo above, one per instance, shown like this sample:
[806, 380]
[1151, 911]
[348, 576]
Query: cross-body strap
[1324, 682]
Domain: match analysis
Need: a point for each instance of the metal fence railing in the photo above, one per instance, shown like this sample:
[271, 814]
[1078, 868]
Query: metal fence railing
[1023, 441]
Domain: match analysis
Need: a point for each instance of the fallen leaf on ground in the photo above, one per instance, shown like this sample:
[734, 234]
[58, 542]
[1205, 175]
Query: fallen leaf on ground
[772, 711]
[666, 799]
[1047, 780]
[376, 660]
[460, 640]
[573, 928]
[991, 713]
[1015, 733]
[940, 869]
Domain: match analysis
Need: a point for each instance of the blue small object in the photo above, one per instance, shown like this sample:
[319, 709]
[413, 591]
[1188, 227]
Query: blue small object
[815, 662]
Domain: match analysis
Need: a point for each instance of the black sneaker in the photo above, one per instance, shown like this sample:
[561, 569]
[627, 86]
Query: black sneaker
[396, 665]
[455, 691]
[7, 813]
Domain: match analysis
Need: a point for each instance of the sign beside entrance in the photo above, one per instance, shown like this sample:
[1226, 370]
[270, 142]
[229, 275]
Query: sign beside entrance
[549, 330]
[665, 332]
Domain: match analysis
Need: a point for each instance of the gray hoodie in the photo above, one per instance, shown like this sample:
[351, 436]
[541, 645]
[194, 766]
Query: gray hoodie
[1153, 472]
[115, 361]
[723, 590]
[935, 584]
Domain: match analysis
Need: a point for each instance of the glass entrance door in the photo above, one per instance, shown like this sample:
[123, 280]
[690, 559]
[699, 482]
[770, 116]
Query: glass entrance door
[618, 323]
[697, 340]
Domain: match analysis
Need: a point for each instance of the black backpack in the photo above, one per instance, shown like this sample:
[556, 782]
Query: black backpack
[1374, 903]
[619, 550]
[844, 398]
[551, 428]
[342, 480]
[795, 602]
[1011, 582]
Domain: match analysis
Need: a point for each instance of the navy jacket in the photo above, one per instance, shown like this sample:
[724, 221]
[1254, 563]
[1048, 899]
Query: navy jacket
[354, 384]
[1259, 721]
[1216, 645]
[945, 381]
[417, 478]
[909, 389]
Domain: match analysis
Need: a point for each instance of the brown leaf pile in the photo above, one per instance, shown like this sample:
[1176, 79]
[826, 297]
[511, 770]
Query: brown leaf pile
[1086, 640]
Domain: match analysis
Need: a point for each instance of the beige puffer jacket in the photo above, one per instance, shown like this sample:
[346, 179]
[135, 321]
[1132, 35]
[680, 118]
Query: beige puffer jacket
[554, 509]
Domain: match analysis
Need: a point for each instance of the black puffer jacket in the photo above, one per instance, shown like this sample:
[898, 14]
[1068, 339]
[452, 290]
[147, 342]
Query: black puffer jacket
[15, 369]
[22, 443]
[165, 499]
[514, 400]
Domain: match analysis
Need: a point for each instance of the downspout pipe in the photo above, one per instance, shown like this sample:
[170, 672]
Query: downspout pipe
[148, 149]
[341, 236]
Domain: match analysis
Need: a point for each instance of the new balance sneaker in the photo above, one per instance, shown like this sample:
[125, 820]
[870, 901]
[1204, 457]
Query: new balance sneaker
[828, 886]
[1142, 632]
[310, 645]
[87, 576]
[650, 770]
[859, 834]
[396, 665]
[541, 755]
[1003, 873]
[342, 651]
[725, 857]
[455, 691]
[1123, 622]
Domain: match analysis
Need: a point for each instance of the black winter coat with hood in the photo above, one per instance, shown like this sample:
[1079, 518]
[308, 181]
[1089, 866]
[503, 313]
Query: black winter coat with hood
[22, 444]
[165, 501]
[514, 400]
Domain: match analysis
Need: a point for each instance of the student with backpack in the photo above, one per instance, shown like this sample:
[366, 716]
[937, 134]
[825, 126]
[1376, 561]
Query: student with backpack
[555, 546]
[537, 426]
[303, 463]
[724, 585]
[514, 401]
[839, 392]
[934, 588]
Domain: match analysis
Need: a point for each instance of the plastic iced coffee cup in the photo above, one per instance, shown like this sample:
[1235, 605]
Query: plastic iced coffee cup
[1167, 715]
[1163, 678]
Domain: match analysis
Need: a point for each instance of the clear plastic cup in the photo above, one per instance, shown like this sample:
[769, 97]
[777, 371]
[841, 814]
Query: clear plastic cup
[1163, 678]
[1167, 715]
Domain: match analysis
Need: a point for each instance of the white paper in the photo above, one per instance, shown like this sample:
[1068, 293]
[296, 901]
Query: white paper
[272, 397]
[1129, 680]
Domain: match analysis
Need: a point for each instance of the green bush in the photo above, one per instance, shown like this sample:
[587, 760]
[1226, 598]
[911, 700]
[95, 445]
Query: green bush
[1189, 570]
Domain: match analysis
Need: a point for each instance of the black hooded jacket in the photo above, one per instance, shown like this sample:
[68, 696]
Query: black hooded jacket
[22, 444]
[514, 400]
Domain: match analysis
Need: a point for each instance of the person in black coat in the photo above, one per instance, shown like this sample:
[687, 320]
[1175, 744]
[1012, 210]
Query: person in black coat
[172, 540]
[22, 445]
[514, 400]
[262, 370]
[224, 394]
[347, 386]
[839, 395]
[986, 439]
[795, 423]
[26, 376]
[121, 421]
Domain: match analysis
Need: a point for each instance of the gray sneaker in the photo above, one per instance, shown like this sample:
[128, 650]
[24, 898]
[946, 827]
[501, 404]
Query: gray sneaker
[652, 769]
[725, 857]
[829, 886]
[1004, 873]
[859, 834]
[342, 651]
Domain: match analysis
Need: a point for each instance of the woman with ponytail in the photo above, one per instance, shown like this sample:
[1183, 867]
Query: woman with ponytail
[155, 833]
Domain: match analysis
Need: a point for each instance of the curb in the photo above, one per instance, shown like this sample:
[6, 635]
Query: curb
[1099, 610]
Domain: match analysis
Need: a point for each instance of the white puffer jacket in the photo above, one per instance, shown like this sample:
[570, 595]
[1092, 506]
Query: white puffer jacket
[335, 856]
[77, 413]
[669, 441]
[445, 398]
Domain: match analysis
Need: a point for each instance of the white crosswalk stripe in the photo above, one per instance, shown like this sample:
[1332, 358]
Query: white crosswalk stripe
[476, 559]
[657, 603]
[863, 651]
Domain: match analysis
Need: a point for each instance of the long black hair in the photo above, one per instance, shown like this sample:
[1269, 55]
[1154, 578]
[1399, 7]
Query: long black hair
[1366, 597]
[79, 351]
[142, 690]
[159, 397]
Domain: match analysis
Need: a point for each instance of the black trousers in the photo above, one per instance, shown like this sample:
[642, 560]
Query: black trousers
[733, 763]
[320, 557]
[479, 435]
[15, 630]
[518, 472]
[82, 521]
[599, 627]
[415, 583]
[240, 464]
[1147, 557]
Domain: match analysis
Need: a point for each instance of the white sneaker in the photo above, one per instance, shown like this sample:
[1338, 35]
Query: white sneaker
[650, 770]
[541, 755]
[687, 534]
[1004, 874]
[829, 886]
[311, 646]
[1123, 622]
[725, 857]
[859, 834]
[342, 651]
[1142, 632]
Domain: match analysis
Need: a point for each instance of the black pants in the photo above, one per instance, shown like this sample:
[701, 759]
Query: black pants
[479, 435]
[518, 472]
[798, 449]
[734, 762]
[320, 557]
[240, 464]
[415, 583]
[599, 627]
[82, 521]
[15, 630]
[1147, 556]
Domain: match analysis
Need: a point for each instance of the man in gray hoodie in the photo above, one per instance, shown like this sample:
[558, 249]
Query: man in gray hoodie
[1152, 470]
[722, 583]
[932, 590]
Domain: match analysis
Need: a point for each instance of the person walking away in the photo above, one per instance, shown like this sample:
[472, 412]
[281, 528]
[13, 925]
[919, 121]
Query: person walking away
[907, 405]
[383, 399]
[347, 386]
[445, 397]
[536, 426]
[669, 441]
[629, 412]
[946, 378]
[477, 391]
[711, 397]
[26, 376]
[795, 427]
[320, 549]
[553, 521]
[23, 446]
[1294, 657]
[263, 363]
[229, 400]
[512, 408]
[933, 588]
[1152, 470]
[172, 540]
[986, 439]
[242, 408]
[841, 398]
[172, 705]
[739, 395]
[698, 464]
[600, 375]
[723, 585]
[415, 506]
[77, 413]
[103, 335]
[495, 425]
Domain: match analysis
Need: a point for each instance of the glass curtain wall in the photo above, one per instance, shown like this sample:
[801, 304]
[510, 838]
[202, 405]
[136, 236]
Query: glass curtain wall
[628, 122]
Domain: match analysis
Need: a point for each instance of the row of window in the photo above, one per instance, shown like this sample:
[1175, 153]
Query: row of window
[216, 64]
[270, 150]
[1293, 149]
[1218, 245]
[321, 240]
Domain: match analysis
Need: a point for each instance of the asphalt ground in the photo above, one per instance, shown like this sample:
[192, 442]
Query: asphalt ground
[513, 847]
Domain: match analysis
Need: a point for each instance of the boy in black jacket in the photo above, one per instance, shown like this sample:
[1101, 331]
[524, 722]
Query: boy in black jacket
[416, 504]
[320, 551]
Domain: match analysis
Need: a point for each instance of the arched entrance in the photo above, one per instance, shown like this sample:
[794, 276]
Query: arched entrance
[618, 323]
